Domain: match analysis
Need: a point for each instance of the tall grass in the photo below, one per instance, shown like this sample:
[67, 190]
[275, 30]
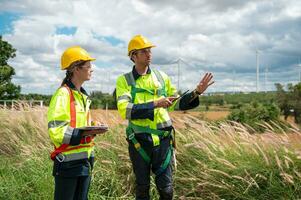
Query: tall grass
[220, 161]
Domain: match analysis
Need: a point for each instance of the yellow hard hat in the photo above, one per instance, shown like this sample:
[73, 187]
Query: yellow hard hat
[138, 42]
[73, 54]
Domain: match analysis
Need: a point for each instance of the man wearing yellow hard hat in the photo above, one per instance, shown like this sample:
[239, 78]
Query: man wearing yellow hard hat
[73, 153]
[144, 97]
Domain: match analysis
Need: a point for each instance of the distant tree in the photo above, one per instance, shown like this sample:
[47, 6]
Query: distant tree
[239, 98]
[289, 101]
[101, 100]
[255, 113]
[221, 102]
[297, 102]
[7, 89]
[283, 100]
[97, 97]
[207, 106]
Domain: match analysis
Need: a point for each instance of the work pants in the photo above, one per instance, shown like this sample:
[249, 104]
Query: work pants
[142, 169]
[72, 179]
[72, 188]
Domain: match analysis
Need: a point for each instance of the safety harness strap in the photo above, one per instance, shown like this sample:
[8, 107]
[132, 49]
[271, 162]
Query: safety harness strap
[166, 161]
[142, 129]
[133, 129]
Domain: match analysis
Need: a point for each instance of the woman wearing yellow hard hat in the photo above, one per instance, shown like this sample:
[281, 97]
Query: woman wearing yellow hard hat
[68, 112]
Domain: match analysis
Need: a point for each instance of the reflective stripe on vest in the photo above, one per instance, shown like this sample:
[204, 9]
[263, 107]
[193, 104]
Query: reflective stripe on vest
[65, 147]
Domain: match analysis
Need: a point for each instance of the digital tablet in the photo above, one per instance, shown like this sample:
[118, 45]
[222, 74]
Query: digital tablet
[94, 128]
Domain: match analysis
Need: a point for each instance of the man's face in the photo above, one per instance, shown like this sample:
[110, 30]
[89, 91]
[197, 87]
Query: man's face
[143, 56]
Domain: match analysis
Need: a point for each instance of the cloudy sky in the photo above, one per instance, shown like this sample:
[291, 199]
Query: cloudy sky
[196, 36]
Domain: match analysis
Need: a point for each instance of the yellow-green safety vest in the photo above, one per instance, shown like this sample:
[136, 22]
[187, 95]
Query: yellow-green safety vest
[59, 119]
[154, 82]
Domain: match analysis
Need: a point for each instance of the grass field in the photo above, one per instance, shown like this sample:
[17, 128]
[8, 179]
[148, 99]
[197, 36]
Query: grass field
[214, 161]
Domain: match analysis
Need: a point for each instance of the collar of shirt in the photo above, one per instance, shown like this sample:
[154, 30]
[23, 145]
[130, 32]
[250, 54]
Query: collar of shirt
[72, 86]
[136, 75]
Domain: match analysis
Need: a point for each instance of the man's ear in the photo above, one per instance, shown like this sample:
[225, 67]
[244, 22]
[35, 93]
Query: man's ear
[132, 58]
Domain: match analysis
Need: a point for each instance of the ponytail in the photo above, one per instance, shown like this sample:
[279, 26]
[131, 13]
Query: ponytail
[68, 77]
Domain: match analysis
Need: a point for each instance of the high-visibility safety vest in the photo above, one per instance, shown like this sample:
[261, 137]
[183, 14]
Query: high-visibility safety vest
[69, 109]
[146, 88]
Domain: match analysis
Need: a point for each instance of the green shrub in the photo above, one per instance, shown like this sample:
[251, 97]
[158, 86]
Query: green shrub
[255, 113]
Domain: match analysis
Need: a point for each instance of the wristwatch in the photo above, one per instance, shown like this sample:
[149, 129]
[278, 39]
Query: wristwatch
[196, 93]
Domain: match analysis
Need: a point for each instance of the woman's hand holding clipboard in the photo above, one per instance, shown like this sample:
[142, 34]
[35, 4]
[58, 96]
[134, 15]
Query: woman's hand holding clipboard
[93, 130]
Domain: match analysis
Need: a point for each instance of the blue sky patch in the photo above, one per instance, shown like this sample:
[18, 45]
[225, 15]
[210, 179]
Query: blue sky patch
[6, 20]
[65, 30]
[104, 64]
[110, 39]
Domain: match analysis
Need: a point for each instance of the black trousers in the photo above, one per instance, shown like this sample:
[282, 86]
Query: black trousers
[142, 169]
[72, 179]
[72, 188]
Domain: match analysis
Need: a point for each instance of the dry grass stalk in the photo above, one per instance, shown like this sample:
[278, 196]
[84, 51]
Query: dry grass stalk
[220, 172]
[287, 161]
[278, 161]
[262, 153]
[226, 163]
[287, 178]
[297, 173]
[251, 182]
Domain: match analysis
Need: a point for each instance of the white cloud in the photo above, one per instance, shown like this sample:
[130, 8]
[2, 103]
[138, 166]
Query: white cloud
[217, 36]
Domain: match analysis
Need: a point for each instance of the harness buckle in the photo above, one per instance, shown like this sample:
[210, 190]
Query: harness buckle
[137, 146]
[87, 139]
[60, 158]
[131, 136]
[166, 133]
[158, 92]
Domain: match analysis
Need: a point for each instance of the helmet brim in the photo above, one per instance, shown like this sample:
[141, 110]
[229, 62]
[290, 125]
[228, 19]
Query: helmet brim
[134, 50]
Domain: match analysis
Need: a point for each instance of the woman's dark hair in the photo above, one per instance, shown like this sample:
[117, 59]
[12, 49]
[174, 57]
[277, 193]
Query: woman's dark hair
[70, 70]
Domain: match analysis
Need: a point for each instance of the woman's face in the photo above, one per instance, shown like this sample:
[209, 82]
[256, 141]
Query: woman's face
[85, 71]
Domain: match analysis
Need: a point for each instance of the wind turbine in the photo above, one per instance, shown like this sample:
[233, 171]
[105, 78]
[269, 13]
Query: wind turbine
[299, 65]
[266, 78]
[179, 62]
[257, 70]
[234, 81]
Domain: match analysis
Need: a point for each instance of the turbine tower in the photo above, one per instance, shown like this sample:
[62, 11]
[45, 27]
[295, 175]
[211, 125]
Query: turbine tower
[266, 78]
[257, 70]
[299, 65]
[178, 86]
